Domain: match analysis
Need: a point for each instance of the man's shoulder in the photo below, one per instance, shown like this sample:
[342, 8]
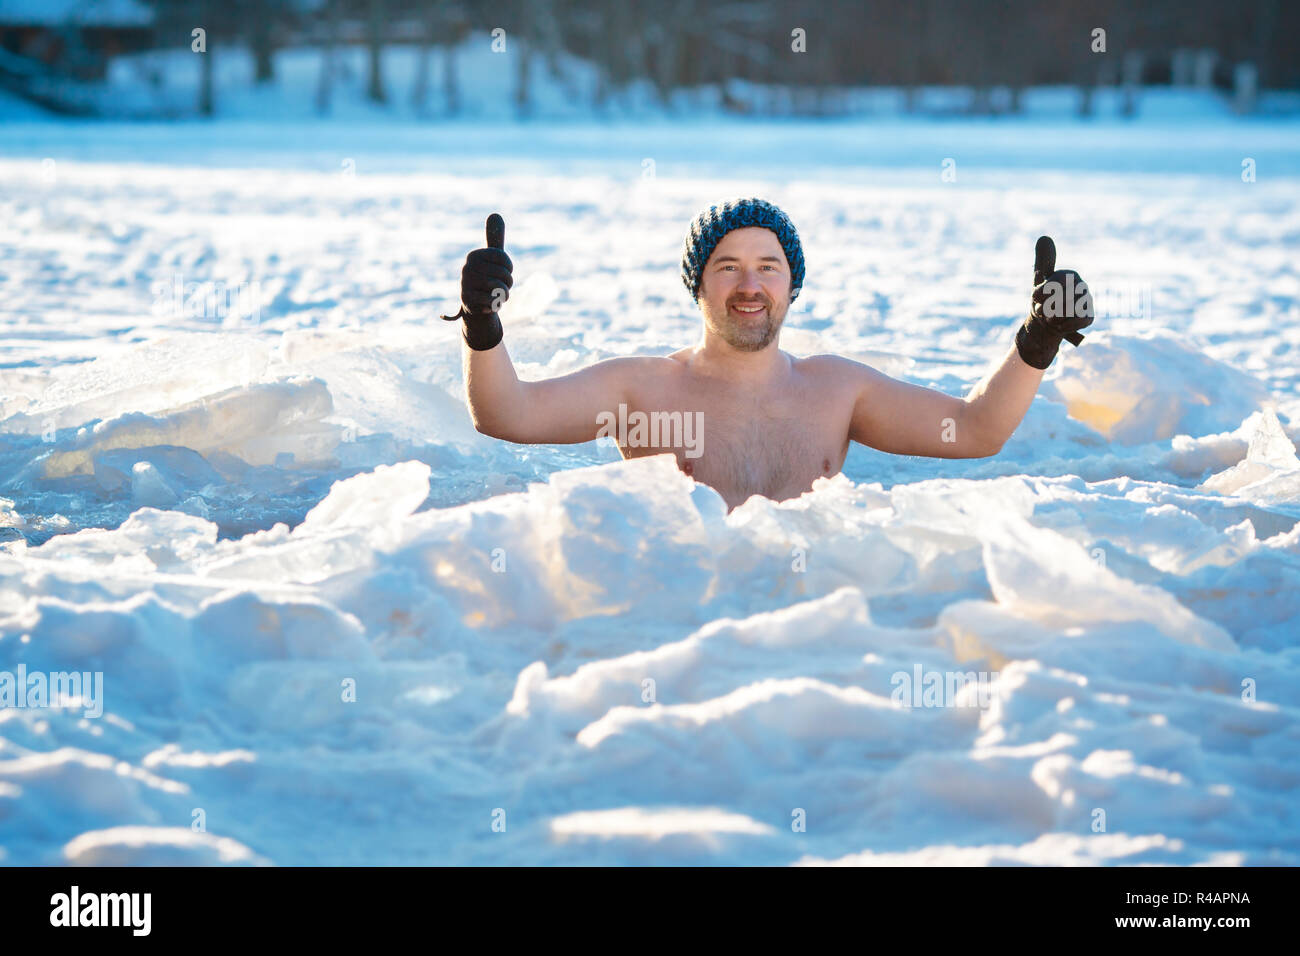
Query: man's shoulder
[648, 364]
[640, 370]
[830, 364]
[847, 377]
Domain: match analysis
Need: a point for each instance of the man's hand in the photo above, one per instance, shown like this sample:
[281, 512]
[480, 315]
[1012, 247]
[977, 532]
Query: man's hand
[485, 283]
[1060, 306]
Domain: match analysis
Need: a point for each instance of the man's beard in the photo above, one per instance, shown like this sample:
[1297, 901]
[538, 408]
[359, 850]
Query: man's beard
[749, 335]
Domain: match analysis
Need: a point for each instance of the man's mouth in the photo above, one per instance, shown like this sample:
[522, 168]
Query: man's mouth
[748, 308]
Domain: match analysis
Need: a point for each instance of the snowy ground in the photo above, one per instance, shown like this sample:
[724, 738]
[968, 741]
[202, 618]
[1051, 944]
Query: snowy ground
[242, 515]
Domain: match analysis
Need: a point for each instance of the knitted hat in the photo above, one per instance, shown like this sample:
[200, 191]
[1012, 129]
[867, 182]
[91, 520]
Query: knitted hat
[715, 222]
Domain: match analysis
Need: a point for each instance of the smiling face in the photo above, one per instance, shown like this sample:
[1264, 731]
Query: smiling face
[745, 289]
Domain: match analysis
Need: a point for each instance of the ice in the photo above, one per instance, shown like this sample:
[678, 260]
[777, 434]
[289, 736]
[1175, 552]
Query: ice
[8, 517]
[1033, 569]
[1270, 472]
[348, 628]
[654, 824]
[242, 422]
[1141, 389]
[386, 495]
[149, 377]
[1270, 445]
[1049, 850]
[753, 703]
[148, 486]
[156, 846]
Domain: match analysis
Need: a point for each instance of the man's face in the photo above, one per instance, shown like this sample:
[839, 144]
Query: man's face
[745, 290]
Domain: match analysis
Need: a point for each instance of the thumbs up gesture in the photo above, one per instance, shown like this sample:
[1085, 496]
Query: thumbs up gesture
[485, 283]
[1060, 306]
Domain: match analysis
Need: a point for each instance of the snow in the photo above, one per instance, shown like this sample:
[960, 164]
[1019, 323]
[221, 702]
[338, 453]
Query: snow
[349, 629]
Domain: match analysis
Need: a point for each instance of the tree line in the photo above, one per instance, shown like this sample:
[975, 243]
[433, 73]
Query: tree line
[809, 45]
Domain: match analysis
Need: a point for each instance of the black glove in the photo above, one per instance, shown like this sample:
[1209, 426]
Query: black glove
[1060, 306]
[484, 286]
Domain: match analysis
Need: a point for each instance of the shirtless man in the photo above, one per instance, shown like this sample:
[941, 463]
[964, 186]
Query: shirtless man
[772, 423]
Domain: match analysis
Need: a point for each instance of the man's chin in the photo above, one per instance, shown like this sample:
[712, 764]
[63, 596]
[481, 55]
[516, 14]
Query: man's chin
[750, 340]
[745, 333]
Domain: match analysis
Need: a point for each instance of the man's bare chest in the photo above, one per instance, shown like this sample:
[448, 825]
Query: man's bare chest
[778, 458]
[774, 446]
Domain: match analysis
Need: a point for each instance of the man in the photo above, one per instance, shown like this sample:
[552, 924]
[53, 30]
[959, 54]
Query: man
[771, 423]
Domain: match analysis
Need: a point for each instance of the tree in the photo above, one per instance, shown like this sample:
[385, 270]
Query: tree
[329, 54]
[264, 18]
[376, 23]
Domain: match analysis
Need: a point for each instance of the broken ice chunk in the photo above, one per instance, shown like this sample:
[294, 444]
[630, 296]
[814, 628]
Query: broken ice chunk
[148, 487]
[1269, 455]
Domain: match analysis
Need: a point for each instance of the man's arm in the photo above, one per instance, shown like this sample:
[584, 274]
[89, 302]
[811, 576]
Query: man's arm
[561, 410]
[558, 411]
[905, 419]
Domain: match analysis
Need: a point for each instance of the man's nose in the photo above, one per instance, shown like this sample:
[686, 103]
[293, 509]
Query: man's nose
[749, 281]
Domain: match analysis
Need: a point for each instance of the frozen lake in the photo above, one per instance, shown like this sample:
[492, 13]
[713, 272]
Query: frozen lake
[337, 625]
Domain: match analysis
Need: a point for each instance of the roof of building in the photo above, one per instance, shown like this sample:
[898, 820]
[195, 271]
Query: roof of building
[96, 13]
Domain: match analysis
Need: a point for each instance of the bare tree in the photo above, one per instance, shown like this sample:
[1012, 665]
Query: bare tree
[450, 84]
[430, 22]
[376, 22]
[444, 25]
[329, 54]
[263, 18]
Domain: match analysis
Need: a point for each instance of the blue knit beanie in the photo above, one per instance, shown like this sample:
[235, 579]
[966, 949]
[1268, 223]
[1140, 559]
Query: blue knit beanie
[715, 222]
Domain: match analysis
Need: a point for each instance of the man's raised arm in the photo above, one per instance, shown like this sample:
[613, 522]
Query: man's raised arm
[561, 410]
[557, 411]
[905, 419]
